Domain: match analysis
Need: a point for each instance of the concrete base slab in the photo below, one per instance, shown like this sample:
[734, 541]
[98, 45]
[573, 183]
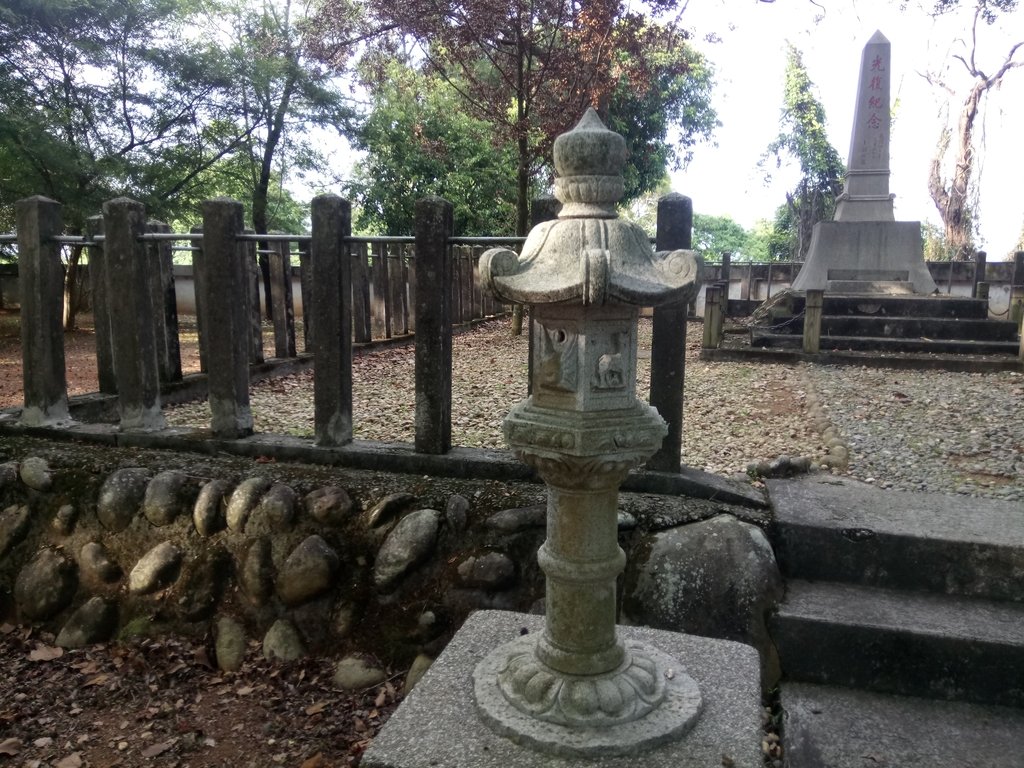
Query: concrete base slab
[867, 247]
[438, 723]
[828, 727]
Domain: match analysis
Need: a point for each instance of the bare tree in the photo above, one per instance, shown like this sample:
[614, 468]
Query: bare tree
[951, 195]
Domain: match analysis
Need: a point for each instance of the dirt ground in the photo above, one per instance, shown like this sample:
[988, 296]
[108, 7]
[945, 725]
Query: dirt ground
[79, 356]
[162, 703]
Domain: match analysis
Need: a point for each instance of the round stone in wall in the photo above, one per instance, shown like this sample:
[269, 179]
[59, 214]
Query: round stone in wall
[13, 527]
[256, 572]
[308, 572]
[388, 508]
[168, 496]
[242, 501]
[96, 565]
[65, 519]
[46, 585]
[157, 569]
[229, 644]
[716, 578]
[330, 505]
[282, 642]
[354, 673]
[493, 570]
[274, 512]
[35, 473]
[121, 496]
[456, 512]
[209, 514]
[8, 474]
[93, 622]
[409, 543]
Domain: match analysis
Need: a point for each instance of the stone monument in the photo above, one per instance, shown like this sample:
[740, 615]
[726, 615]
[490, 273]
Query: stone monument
[864, 249]
[578, 687]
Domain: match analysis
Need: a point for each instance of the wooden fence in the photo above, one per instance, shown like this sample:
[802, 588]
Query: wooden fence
[354, 290]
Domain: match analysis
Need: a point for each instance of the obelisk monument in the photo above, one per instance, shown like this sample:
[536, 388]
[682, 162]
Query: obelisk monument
[864, 249]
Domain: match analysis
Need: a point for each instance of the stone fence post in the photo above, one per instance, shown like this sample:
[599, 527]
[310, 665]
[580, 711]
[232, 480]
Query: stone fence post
[331, 314]
[160, 276]
[668, 342]
[1016, 308]
[101, 307]
[281, 302]
[198, 273]
[712, 315]
[812, 321]
[254, 277]
[980, 259]
[1017, 278]
[306, 292]
[226, 281]
[41, 288]
[132, 324]
[434, 224]
[541, 209]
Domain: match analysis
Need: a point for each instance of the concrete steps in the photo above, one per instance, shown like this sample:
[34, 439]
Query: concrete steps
[917, 644]
[889, 592]
[906, 324]
[887, 344]
[828, 727]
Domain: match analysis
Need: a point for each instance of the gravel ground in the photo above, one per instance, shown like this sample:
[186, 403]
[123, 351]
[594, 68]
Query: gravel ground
[928, 430]
[914, 430]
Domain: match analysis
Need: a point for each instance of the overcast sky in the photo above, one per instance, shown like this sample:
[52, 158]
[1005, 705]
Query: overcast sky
[750, 66]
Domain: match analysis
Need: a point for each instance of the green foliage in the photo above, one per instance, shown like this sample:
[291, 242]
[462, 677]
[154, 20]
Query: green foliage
[760, 239]
[935, 246]
[803, 138]
[531, 69]
[100, 99]
[283, 81]
[990, 9]
[675, 97]
[420, 141]
[715, 235]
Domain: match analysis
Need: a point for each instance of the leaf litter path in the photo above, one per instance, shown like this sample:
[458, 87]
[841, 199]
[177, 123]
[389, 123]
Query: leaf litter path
[733, 414]
[162, 703]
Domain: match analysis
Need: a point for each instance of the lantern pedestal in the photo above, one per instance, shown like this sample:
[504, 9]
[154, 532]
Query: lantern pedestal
[439, 723]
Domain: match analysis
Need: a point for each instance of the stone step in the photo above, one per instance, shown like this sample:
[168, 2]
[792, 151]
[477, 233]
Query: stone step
[915, 644]
[829, 727]
[870, 287]
[935, 328]
[760, 338]
[905, 306]
[833, 529]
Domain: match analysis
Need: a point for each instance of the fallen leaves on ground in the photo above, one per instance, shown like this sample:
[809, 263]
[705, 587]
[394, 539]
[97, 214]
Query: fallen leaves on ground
[154, 702]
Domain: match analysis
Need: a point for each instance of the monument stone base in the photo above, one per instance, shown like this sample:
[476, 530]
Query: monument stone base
[438, 724]
[873, 257]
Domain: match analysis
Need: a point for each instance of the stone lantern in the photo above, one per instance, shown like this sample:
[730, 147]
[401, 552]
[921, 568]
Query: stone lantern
[578, 688]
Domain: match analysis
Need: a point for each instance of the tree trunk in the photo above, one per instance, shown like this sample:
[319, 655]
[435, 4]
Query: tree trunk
[73, 289]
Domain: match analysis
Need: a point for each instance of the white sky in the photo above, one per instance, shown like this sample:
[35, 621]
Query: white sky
[750, 65]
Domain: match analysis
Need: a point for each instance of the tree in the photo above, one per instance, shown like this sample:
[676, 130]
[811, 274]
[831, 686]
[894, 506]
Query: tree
[285, 81]
[803, 138]
[418, 142]
[99, 99]
[717, 235]
[952, 194]
[530, 67]
[760, 241]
